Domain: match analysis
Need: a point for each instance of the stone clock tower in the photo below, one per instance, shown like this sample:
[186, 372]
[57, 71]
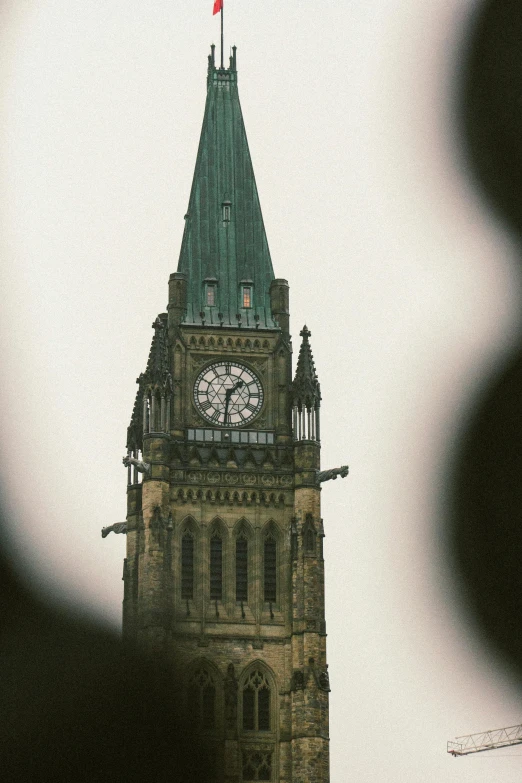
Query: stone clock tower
[224, 565]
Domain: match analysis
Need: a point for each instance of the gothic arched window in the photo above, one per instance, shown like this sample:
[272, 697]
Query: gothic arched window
[242, 568]
[270, 569]
[309, 534]
[202, 699]
[216, 567]
[187, 566]
[256, 703]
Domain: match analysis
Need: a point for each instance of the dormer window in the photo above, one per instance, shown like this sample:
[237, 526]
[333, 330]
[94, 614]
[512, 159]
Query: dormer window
[246, 296]
[211, 293]
[226, 209]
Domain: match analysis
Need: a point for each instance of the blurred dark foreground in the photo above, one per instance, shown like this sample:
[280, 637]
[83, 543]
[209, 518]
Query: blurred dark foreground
[76, 705]
[485, 527]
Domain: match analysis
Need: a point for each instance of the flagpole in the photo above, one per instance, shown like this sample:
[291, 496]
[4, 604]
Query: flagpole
[222, 6]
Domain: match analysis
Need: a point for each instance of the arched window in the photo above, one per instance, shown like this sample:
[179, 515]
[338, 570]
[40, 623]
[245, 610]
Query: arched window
[187, 566]
[202, 699]
[216, 567]
[270, 569]
[309, 534]
[242, 568]
[256, 703]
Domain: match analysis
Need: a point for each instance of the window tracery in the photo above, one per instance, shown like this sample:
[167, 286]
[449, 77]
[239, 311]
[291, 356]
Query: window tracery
[256, 703]
[257, 765]
[202, 698]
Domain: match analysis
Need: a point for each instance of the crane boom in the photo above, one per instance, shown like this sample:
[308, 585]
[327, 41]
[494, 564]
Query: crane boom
[486, 740]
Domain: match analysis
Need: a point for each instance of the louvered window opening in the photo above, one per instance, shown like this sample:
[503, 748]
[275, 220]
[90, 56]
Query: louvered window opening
[257, 765]
[310, 540]
[202, 699]
[256, 703]
[187, 567]
[242, 569]
[216, 568]
[270, 568]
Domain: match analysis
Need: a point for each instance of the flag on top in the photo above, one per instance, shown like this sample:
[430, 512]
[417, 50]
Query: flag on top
[218, 6]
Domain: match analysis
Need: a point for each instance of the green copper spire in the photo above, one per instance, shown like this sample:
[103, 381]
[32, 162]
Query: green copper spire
[224, 253]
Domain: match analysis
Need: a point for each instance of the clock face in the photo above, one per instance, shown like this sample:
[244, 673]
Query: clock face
[228, 394]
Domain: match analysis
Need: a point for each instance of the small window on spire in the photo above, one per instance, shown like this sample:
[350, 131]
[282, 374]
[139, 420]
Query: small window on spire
[226, 209]
[211, 293]
[247, 296]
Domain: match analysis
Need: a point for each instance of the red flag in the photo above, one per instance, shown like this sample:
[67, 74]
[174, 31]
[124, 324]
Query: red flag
[218, 6]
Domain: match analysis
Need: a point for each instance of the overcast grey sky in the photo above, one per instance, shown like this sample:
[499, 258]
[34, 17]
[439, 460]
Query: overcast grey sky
[394, 263]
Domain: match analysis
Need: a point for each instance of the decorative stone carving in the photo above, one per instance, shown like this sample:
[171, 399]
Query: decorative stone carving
[141, 467]
[327, 475]
[324, 679]
[248, 478]
[198, 361]
[231, 478]
[298, 681]
[213, 477]
[118, 527]
[320, 675]
[259, 364]
[268, 480]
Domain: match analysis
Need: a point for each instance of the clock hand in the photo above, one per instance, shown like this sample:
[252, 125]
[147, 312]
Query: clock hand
[227, 400]
[228, 394]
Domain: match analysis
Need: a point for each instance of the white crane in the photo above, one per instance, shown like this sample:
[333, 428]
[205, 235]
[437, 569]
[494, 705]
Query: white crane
[486, 740]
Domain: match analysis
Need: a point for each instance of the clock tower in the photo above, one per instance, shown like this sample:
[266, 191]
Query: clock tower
[224, 565]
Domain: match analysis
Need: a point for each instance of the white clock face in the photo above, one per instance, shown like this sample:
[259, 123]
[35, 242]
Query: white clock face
[228, 394]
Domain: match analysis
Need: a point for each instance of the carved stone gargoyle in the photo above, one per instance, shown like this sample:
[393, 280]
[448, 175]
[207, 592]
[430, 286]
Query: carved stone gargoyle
[320, 675]
[118, 527]
[141, 467]
[328, 475]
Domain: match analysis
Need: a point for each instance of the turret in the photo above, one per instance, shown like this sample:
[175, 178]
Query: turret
[306, 394]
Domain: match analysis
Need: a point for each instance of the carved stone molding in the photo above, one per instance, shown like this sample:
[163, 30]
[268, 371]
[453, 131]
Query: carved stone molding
[226, 497]
[215, 477]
